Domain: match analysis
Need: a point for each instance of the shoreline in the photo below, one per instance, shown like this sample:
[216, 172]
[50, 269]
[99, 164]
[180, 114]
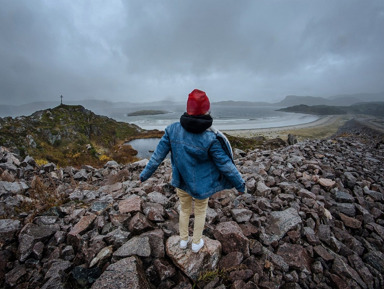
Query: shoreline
[323, 127]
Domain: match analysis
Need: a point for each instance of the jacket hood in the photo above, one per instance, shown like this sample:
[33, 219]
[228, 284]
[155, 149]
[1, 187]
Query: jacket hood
[195, 123]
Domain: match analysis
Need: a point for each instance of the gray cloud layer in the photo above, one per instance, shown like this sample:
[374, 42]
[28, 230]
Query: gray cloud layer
[152, 50]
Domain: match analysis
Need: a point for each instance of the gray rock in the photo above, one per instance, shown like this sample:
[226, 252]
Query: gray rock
[139, 164]
[50, 167]
[156, 242]
[16, 275]
[231, 260]
[291, 139]
[8, 229]
[99, 206]
[350, 180]
[275, 259]
[295, 255]
[111, 165]
[31, 234]
[343, 197]
[154, 212]
[241, 215]
[279, 223]
[156, 197]
[85, 276]
[303, 193]
[375, 259]
[363, 271]
[126, 273]
[132, 204]
[12, 188]
[309, 233]
[56, 282]
[164, 269]
[58, 267]
[117, 237]
[231, 237]
[102, 255]
[193, 264]
[28, 160]
[139, 223]
[212, 215]
[377, 196]
[136, 246]
[8, 167]
[81, 175]
[346, 208]
[262, 189]
[344, 270]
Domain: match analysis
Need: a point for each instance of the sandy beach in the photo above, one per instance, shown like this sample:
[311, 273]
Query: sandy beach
[321, 128]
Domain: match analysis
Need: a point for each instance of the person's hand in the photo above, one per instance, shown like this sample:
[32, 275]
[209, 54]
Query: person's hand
[242, 193]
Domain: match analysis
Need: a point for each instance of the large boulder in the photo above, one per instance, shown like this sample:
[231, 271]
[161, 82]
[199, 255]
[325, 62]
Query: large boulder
[232, 238]
[194, 264]
[279, 223]
[126, 273]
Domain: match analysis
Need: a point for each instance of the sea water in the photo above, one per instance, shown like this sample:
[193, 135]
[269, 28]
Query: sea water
[226, 117]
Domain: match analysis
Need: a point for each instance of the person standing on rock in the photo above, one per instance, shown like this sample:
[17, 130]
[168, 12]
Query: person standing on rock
[202, 164]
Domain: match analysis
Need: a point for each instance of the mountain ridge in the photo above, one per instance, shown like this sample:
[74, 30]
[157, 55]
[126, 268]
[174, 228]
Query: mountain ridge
[108, 107]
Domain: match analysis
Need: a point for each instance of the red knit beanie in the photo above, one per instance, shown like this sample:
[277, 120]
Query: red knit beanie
[198, 103]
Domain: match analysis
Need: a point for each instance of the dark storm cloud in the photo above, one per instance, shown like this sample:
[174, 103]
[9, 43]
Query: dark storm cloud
[145, 50]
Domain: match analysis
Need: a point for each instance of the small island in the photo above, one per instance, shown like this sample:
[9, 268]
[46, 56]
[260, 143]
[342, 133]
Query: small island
[147, 112]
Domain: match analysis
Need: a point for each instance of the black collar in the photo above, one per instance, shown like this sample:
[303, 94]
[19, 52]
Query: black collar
[196, 123]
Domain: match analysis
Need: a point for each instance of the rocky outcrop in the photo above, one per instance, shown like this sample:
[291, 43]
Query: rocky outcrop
[313, 218]
[70, 135]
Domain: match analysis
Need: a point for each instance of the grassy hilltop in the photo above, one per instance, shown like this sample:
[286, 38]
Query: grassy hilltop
[70, 135]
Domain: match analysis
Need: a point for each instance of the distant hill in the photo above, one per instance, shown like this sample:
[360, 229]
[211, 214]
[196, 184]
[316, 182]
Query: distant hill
[242, 103]
[70, 135]
[291, 100]
[345, 99]
[369, 108]
[336, 100]
[315, 109]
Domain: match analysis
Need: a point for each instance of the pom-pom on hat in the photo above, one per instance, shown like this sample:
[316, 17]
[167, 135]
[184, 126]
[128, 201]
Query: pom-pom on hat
[198, 103]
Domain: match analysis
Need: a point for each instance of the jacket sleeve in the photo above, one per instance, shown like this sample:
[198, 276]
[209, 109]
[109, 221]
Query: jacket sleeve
[225, 165]
[157, 157]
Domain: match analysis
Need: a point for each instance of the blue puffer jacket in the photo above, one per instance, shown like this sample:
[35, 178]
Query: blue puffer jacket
[201, 165]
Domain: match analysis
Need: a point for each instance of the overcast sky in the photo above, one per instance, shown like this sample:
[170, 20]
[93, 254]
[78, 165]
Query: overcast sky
[154, 50]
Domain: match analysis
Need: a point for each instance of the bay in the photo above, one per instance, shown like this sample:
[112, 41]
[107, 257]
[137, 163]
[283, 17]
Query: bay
[236, 117]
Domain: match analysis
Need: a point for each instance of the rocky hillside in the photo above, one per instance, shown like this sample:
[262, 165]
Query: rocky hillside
[69, 135]
[313, 218]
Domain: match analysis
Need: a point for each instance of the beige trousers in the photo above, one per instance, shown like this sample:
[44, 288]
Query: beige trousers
[200, 212]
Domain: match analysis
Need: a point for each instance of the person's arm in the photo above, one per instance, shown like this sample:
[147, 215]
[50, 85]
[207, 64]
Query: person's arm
[226, 166]
[157, 157]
